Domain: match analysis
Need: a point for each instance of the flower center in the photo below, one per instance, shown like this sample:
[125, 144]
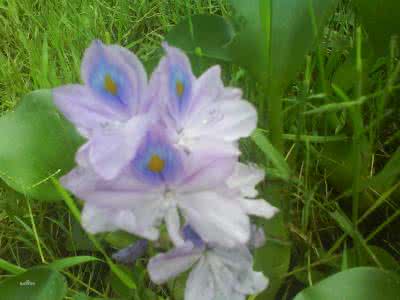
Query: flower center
[110, 85]
[156, 164]
[180, 88]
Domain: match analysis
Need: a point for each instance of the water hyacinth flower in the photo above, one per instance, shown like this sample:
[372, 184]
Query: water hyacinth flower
[159, 184]
[109, 109]
[217, 272]
[201, 111]
[166, 152]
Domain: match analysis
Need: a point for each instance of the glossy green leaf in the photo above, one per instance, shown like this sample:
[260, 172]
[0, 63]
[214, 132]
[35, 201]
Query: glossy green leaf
[36, 142]
[363, 258]
[380, 19]
[39, 283]
[355, 284]
[203, 35]
[275, 36]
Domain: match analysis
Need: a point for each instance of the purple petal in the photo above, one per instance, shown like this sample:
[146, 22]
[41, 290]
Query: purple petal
[81, 107]
[112, 148]
[206, 170]
[157, 161]
[116, 76]
[131, 253]
[168, 265]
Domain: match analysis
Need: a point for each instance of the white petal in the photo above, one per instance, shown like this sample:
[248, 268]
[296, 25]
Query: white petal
[96, 220]
[168, 265]
[260, 208]
[200, 285]
[233, 270]
[245, 178]
[216, 219]
[173, 223]
[227, 120]
[252, 284]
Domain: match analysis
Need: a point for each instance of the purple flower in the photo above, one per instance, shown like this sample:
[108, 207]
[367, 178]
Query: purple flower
[111, 109]
[202, 112]
[217, 272]
[161, 183]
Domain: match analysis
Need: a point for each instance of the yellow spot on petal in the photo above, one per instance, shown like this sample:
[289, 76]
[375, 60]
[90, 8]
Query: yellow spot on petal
[179, 87]
[110, 85]
[156, 164]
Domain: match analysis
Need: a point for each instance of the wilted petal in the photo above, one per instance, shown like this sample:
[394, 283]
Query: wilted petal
[168, 265]
[200, 284]
[115, 75]
[131, 253]
[216, 219]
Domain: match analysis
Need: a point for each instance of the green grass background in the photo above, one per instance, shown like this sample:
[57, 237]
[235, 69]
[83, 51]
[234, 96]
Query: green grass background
[41, 46]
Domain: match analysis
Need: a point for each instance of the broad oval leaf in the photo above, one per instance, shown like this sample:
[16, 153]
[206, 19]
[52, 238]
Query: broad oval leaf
[209, 35]
[39, 283]
[275, 35]
[36, 142]
[355, 284]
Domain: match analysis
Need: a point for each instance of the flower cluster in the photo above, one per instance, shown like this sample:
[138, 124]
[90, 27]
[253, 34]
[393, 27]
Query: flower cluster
[165, 151]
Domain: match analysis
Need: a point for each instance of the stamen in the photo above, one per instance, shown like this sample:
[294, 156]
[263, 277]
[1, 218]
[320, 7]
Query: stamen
[156, 164]
[110, 85]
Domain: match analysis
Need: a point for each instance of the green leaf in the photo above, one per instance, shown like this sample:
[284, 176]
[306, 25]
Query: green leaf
[273, 155]
[273, 259]
[68, 262]
[275, 36]
[363, 258]
[381, 20]
[9, 267]
[36, 142]
[388, 175]
[355, 284]
[120, 239]
[203, 35]
[39, 283]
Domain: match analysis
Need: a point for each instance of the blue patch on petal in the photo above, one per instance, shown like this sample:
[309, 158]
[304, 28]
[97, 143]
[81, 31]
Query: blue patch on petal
[156, 161]
[180, 87]
[190, 235]
[108, 81]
